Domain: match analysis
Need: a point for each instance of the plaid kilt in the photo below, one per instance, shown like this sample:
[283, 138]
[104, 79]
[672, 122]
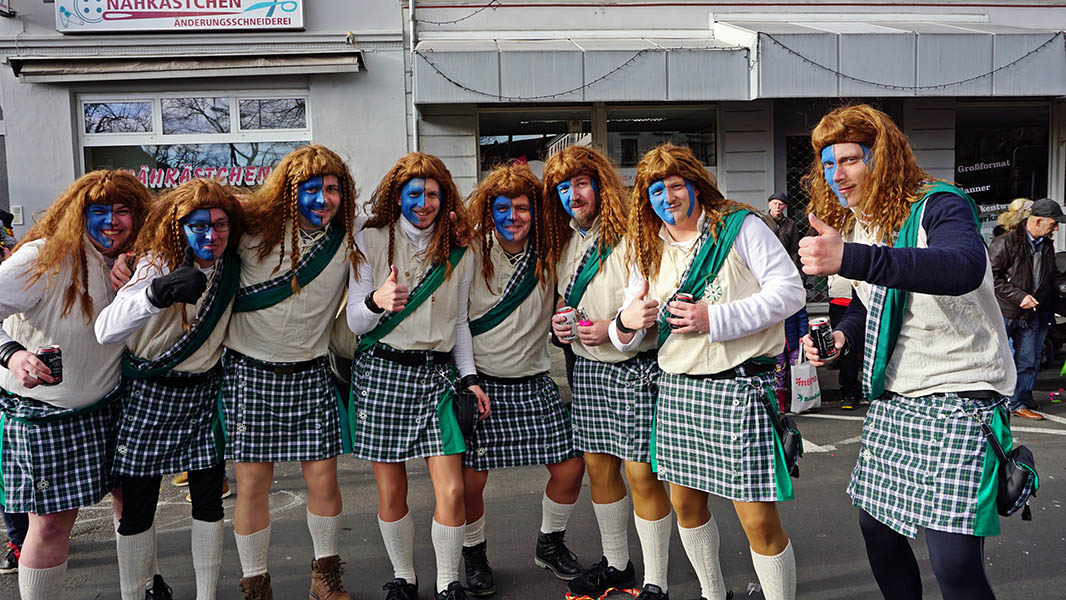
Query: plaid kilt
[279, 417]
[167, 428]
[528, 425]
[60, 465]
[394, 409]
[614, 406]
[714, 435]
[921, 462]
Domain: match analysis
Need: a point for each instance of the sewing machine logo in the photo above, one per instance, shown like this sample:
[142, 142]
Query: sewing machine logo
[75, 15]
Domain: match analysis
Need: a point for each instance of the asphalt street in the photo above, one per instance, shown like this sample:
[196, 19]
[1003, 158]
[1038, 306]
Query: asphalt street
[1026, 561]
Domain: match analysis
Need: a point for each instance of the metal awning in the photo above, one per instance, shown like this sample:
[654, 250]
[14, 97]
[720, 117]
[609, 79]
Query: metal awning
[57, 69]
[829, 55]
[565, 69]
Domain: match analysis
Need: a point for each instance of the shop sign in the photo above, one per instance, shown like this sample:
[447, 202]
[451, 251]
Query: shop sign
[92, 16]
[167, 177]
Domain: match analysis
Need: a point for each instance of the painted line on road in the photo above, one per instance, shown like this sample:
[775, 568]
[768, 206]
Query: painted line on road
[850, 440]
[1040, 430]
[837, 417]
[1052, 418]
[809, 446]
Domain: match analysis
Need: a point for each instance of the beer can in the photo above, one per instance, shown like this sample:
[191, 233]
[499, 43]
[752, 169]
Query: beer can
[570, 314]
[682, 297]
[52, 357]
[583, 318]
[822, 334]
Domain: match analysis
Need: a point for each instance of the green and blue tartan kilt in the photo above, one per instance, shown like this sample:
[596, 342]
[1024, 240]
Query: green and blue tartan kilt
[921, 462]
[167, 428]
[59, 465]
[614, 406]
[528, 425]
[279, 417]
[397, 410]
[714, 435]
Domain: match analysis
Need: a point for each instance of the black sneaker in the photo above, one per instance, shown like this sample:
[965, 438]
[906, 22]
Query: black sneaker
[454, 592]
[399, 589]
[552, 554]
[653, 592]
[595, 580]
[479, 582]
[10, 562]
[160, 590]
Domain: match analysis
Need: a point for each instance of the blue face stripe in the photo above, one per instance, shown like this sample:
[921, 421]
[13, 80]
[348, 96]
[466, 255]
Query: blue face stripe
[412, 196]
[198, 241]
[99, 217]
[503, 216]
[311, 198]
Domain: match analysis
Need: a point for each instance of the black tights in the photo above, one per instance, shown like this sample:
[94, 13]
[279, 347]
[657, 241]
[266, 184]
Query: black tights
[141, 494]
[958, 563]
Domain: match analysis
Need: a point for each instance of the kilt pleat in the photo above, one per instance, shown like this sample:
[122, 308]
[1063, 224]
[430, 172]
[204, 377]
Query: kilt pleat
[166, 429]
[921, 462]
[528, 425]
[714, 435]
[279, 417]
[614, 406]
[59, 465]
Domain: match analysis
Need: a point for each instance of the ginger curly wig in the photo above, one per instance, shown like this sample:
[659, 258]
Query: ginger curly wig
[512, 180]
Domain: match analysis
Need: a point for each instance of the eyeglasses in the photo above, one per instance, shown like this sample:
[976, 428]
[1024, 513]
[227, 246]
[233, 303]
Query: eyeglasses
[200, 227]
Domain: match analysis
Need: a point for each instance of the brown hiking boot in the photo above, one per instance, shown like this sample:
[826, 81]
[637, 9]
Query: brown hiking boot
[257, 588]
[326, 581]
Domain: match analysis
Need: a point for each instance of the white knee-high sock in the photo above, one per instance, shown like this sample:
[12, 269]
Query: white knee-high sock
[134, 562]
[206, 557]
[448, 546]
[399, 538]
[701, 546]
[554, 516]
[324, 532]
[613, 519]
[474, 533]
[154, 567]
[655, 544]
[252, 550]
[42, 584]
[777, 574]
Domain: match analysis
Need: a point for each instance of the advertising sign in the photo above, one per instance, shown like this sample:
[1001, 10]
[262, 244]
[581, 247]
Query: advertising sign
[94, 16]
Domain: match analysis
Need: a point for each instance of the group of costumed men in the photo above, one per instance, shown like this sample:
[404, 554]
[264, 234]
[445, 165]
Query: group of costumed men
[681, 295]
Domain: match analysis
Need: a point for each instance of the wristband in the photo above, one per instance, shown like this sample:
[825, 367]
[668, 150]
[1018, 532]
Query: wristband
[8, 350]
[622, 328]
[469, 380]
[371, 305]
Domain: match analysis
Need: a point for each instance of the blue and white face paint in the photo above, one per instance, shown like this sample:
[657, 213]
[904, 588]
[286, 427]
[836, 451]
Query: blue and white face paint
[841, 165]
[311, 197]
[503, 216]
[98, 218]
[412, 196]
[580, 198]
[200, 233]
[660, 198]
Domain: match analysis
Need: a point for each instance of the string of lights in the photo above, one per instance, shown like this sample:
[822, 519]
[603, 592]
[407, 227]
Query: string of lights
[493, 4]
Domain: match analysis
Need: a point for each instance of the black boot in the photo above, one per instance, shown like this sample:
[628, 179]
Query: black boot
[479, 582]
[653, 592]
[399, 589]
[552, 554]
[454, 592]
[160, 590]
[595, 580]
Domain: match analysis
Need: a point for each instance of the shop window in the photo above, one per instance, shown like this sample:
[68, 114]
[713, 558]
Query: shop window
[531, 135]
[166, 140]
[633, 130]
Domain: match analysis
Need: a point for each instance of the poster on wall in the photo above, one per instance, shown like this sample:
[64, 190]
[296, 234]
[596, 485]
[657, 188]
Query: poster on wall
[95, 16]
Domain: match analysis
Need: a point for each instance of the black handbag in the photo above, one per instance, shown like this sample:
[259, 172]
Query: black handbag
[1018, 479]
[464, 403]
[791, 439]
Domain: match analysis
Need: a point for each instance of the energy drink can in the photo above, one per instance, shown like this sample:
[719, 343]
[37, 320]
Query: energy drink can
[822, 334]
[682, 297]
[570, 315]
[52, 357]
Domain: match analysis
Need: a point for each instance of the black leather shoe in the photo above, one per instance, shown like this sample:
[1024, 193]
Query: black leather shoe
[653, 592]
[595, 580]
[399, 589]
[160, 590]
[728, 596]
[552, 554]
[454, 592]
[479, 582]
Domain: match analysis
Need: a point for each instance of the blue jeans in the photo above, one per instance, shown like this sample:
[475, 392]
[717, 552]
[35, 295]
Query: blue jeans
[16, 524]
[1027, 336]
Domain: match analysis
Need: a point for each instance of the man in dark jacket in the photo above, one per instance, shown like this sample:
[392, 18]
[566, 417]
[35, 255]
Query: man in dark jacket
[1027, 284]
[783, 225]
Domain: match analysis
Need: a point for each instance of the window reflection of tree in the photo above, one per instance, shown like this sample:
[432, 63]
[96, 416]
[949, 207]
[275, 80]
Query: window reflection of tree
[276, 113]
[195, 115]
[118, 117]
[178, 156]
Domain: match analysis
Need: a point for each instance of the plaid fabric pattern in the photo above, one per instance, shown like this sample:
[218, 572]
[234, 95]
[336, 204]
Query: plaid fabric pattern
[528, 425]
[529, 259]
[873, 329]
[581, 266]
[614, 406]
[714, 435]
[57, 466]
[166, 429]
[663, 313]
[395, 408]
[276, 417]
[921, 462]
[286, 277]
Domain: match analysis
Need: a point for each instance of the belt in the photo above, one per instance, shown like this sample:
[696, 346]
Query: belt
[509, 380]
[652, 354]
[281, 368]
[412, 358]
[748, 369]
[190, 380]
[979, 394]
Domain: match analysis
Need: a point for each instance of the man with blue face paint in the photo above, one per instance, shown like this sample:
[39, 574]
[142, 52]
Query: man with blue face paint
[580, 199]
[98, 219]
[503, 216]
[311, 200]
[842, 173]
[200, 233]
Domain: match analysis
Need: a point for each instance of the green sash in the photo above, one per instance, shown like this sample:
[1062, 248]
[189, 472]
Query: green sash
[138, 368]
[506, 306]
[280, 288]
[706, 264]
[895, 299]
[588, 271]
[423, 291]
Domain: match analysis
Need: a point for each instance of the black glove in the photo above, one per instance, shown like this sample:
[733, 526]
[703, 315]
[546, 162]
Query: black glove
[184, 284]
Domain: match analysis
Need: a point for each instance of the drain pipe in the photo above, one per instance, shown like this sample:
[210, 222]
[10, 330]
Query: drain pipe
[414, 110]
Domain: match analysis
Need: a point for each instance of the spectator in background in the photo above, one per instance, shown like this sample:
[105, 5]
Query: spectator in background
[1027, 283]
[7, 235]
[784, 227]
[16, 523]
[840, 291]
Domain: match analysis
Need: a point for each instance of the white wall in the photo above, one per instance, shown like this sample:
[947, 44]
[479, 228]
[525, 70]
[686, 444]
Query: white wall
[746, 155]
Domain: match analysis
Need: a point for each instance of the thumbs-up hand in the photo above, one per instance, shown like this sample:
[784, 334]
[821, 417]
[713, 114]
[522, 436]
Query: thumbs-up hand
[642, 311]
[391, 295]
[184, 284]
[823, 253]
